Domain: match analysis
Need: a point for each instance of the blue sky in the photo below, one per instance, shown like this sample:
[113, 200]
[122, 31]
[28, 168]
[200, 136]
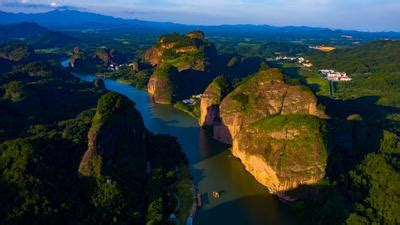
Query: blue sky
[367, 15]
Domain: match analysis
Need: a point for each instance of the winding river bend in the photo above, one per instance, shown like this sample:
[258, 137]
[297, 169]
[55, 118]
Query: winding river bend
[243, 201]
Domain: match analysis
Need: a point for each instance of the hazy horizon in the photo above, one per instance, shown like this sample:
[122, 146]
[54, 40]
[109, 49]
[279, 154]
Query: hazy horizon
[367, 15]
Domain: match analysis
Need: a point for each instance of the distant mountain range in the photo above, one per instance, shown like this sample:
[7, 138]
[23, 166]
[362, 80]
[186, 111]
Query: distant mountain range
[72, 19]
[35, 35]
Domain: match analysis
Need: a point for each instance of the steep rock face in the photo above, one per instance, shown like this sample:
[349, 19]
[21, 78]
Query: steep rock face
[160, 86]
[116, 140]
[153, 56]
[262, 95]
[183, 66]
[104, 56]
[109, 56]
[283, 151]
[77, 55]
[210, 100]
[196, 34]
[135, 66]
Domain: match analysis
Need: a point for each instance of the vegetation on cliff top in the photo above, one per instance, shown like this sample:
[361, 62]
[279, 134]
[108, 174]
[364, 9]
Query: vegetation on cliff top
[295, 145]
[291, 121]
[217, 89]
[162, 85]
[115, 138]
[43, 136]
[246, 96]
[109, 104]
[191, 51]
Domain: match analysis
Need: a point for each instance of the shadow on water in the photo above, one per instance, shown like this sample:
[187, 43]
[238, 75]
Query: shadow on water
[259, 213]
[243, 200]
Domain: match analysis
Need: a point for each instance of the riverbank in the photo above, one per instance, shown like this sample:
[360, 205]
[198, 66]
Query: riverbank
[193, 112]
[212, 166]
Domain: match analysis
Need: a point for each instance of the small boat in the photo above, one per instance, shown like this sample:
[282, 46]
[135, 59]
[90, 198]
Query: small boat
[199, 201]
[216, 194]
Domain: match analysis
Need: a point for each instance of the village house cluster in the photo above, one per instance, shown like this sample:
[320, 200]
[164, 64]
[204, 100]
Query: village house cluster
[192, 100]
[333, 75]
[300, 60]
[115, 67]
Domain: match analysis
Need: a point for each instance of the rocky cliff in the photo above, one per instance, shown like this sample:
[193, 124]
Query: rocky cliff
[104, 55]
[77, 55]
[160, 86]
[283, 151]
[186, 52]
[191, 56]
[210, 100]
[153, 56]
[88, 61]
[264, 94]
[116, 140]
[276, 129]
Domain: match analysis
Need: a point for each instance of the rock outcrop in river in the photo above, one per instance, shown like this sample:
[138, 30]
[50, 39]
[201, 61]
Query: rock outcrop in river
[262, 95]
[116, 140]
[210, 100]
[275, 128]
[160, 85]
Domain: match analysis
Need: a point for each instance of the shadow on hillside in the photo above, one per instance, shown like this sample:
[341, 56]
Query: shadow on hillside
[350, 140]
[190, 82]
[353, 136]
[367, 107]
[244, 68]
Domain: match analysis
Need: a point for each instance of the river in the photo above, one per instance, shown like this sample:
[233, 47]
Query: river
[243, 201]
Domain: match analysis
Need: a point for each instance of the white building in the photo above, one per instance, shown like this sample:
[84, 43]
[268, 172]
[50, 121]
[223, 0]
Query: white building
[334, 75]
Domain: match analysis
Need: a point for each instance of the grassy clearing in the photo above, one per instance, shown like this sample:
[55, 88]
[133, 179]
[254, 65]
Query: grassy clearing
[48, 51]
[193, 111]
[318, 85]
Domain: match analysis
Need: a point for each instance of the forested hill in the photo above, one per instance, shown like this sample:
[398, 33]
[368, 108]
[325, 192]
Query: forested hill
[35, 35]
[363, 176]
[48, 121]
[379, 56]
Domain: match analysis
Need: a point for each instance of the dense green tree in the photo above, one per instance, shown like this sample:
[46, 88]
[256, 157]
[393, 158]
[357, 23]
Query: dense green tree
[376, 185]
[155, 212]
[15, 91]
